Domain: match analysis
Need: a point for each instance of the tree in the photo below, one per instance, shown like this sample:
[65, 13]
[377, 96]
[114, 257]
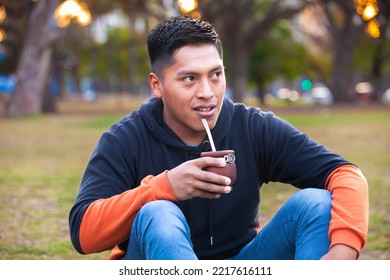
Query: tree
[140, 16]
[14, 25]
[242, 24]
[278, 55]
[381, 52]
[346, 30]
[141, 12]
[35, 63]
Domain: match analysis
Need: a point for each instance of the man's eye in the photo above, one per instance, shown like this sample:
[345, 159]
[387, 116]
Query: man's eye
[189, 79]
[217, 74]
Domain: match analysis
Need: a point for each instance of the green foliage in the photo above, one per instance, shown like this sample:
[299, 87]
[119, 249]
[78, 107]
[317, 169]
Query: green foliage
[112, 57]
[366, 52]
[278, 55]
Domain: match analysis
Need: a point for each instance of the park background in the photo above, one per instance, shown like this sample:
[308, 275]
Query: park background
[70, 69]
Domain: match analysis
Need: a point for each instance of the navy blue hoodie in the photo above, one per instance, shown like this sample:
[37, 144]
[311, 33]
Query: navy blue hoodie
[266, 149]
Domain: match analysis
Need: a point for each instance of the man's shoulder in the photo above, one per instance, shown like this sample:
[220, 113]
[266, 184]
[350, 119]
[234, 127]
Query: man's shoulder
[133, 119]
[125, 121]
[241, 109]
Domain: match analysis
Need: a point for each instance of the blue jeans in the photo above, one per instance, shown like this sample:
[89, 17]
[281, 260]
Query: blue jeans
[299, 230]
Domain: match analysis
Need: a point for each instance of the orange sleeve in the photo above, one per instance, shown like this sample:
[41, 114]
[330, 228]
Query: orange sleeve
[349, 214]
[107, 222]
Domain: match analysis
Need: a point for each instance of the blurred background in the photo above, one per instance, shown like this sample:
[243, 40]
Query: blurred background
[70, 69]
[297, 51]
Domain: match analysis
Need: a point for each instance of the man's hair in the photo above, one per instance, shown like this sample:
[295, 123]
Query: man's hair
[176, 32]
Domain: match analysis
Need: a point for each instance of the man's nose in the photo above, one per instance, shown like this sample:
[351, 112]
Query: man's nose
[205, 90]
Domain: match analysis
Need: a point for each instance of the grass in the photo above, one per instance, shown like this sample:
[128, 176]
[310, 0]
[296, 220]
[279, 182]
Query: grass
[42, 159]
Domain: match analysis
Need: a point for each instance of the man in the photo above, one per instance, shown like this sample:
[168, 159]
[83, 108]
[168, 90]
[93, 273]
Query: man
[146, 194]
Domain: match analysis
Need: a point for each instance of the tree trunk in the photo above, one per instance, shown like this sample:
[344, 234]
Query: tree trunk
[346, 34]
[238, 71]
[341, 75]
[379, 60]
[34, 65]
[240, 28]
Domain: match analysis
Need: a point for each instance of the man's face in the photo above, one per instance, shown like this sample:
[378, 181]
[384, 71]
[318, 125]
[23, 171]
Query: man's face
[191, 88]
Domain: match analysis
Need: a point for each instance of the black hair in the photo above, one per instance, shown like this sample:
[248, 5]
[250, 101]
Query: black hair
[176, 32]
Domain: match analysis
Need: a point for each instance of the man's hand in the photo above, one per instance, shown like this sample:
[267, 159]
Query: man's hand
[341, 252]
[189, 180]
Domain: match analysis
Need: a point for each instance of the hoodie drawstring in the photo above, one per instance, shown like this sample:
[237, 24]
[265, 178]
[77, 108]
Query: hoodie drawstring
[210, 210]
[206, 143]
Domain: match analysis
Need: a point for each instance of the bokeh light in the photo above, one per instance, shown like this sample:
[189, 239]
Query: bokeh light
[373, 28]
[370, 11]
[71, 10]
[3, 14]
[3, 35]
[187, 6]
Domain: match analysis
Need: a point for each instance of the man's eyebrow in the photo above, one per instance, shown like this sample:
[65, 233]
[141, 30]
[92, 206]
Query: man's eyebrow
[194, 73]
[186, 73]
[217, 68]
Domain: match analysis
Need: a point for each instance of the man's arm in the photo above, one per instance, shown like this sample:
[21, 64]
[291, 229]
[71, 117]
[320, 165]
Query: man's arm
[107, 222]
[349, 222]
[341, 252]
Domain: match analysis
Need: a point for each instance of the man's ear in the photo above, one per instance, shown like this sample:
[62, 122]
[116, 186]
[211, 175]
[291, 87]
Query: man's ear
[155, 85]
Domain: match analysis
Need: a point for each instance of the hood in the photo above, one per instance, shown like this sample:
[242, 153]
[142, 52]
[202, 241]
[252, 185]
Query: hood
[152, 111]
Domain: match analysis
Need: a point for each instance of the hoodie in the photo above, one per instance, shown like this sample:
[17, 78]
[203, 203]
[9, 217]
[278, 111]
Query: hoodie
[128, 167]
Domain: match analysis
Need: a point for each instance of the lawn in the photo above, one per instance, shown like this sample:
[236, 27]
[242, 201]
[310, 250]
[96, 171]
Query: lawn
[42, 159]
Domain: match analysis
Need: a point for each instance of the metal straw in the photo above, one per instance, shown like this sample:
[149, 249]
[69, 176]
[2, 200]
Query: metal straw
[206, 126]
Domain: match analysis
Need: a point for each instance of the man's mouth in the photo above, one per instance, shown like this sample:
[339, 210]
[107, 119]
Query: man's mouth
[204, 109]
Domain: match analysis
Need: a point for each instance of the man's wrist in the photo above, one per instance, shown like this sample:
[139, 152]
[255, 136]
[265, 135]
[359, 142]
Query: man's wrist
[341, 252]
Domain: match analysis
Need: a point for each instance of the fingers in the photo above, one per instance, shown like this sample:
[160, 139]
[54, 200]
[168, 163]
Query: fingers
[212, 183]
[205, 191]
[214, 178]
[203, 194]
[209, 161]
[189, 180]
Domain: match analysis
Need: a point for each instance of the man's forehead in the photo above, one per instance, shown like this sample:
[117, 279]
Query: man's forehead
[197, 55]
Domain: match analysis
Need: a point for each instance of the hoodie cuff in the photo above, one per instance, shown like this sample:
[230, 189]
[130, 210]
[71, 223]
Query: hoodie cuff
[162, 189]
[347, 237]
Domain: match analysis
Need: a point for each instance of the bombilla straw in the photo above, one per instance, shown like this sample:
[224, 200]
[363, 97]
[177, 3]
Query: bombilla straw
[206, 126]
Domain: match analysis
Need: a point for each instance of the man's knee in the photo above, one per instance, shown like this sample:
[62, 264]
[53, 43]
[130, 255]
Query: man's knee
[158, 227]
[316, 198]
[160, 212]
[159, 207]
[312, 202]
[163, 217]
